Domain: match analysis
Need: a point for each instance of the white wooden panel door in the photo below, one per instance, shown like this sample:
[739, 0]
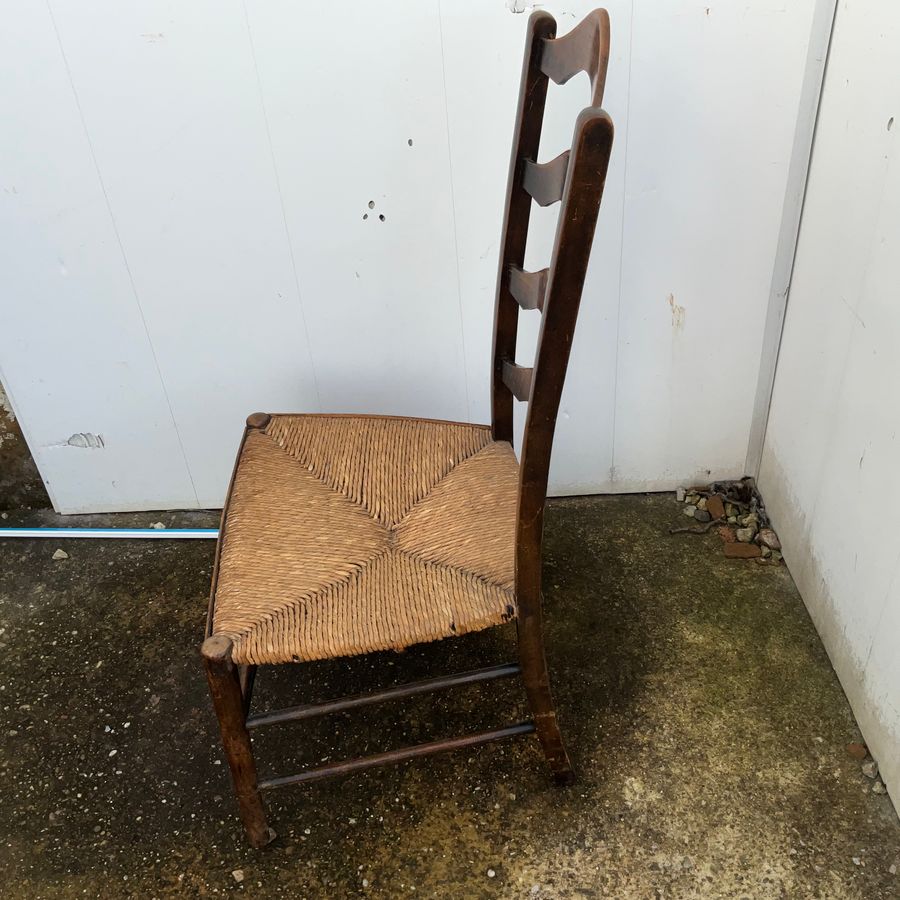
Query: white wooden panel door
[171, 102]
[76, 358]
[214, 176]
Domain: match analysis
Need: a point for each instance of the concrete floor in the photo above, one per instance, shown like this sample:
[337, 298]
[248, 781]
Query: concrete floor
[706, 723]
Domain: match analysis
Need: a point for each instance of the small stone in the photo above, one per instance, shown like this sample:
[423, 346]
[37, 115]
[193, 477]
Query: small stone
[766, 552]
[777, 555]
[679, 495]
[60, 554]
[742, 551]
[745, 535]
[701, 503]
[689, 510]
[727, 534]
[158, 525]
[731, 509]
[702, 515]
[892, 868]
[870, 768]
[491, 873]
[693, 498]
[715, 506]
[732, 520]
[751, 520]
[878, 787]
[857, 750]
[238, 875]
[769, 539]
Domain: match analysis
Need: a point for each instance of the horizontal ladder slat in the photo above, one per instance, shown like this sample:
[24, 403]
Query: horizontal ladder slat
[426, 686]
[545, 181]
[379, 759]
[529, 288]
[517, 379]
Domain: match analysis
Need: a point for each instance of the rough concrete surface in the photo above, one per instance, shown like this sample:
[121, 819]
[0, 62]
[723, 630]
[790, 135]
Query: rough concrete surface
[707, 726]
[20, 482]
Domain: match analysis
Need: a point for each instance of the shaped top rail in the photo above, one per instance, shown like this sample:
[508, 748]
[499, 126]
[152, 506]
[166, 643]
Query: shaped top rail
[584, 49]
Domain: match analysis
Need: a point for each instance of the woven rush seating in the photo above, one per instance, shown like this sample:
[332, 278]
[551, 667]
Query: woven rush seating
[347, 534]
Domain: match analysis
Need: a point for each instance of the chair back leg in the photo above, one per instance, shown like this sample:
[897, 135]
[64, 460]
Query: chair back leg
[228, 701]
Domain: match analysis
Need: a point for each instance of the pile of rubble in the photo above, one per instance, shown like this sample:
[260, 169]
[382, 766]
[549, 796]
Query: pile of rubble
[737, 513]
[860, 752]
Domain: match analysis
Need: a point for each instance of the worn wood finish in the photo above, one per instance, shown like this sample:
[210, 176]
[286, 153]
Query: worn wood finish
[526, 141]
[246, 677]
[584, 49]
[528, 288]
[228, 702]
[581, 204]
[575, 179]
[394, 756]
[545, 181]
[517, 379]
[426, 686]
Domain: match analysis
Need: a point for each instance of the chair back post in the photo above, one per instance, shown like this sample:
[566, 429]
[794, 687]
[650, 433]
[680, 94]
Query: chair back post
[571, 252]
[526, 140]
[576, 178]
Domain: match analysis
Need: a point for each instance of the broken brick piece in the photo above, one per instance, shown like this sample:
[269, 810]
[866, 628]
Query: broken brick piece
[727, 534]
[715, 507]
[742, 551]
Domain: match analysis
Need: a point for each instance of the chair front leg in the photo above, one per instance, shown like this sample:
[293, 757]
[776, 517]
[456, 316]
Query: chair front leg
[228, 701]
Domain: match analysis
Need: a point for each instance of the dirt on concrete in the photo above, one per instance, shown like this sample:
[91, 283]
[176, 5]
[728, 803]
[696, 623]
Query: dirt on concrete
[21, 485]
[707, 726]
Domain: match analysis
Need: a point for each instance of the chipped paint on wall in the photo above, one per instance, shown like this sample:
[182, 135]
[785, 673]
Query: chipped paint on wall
[86, 441]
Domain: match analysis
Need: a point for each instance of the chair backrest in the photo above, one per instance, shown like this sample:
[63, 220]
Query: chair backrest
[575, 179]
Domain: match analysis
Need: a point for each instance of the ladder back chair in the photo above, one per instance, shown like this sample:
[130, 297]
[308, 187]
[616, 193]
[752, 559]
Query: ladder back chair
[349, 534]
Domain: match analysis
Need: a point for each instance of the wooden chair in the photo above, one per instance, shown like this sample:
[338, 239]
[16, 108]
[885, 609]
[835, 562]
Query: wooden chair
[347, 534]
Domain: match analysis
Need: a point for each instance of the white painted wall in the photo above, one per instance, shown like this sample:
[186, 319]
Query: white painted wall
[829, 467]
[182, 193]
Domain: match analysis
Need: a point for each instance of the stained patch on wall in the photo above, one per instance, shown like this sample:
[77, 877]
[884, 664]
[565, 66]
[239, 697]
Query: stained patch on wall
[678, 313]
